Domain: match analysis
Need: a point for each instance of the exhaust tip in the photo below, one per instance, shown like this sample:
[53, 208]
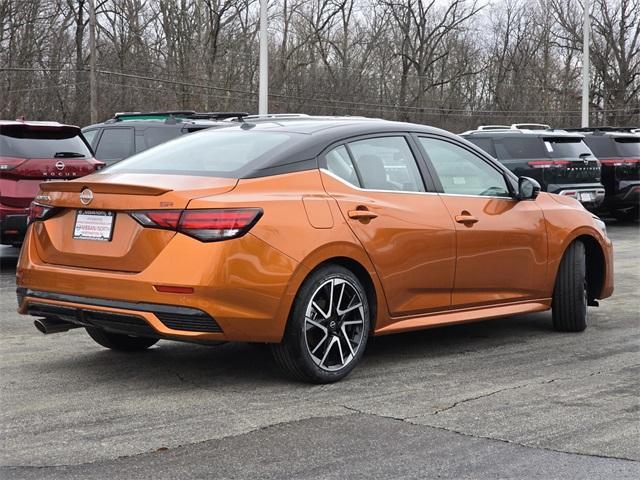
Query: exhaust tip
[40, 326]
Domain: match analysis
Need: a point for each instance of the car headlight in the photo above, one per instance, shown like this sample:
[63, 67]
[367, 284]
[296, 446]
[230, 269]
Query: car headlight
[601, 225]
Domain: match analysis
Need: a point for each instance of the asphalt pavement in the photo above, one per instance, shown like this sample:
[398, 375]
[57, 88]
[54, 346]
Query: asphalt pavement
[507, 398]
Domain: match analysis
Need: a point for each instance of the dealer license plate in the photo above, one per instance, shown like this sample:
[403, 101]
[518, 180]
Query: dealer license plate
[94, 225]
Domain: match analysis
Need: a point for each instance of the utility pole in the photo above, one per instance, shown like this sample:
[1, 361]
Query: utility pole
[93, 80]
[263, 95]
[586, 30]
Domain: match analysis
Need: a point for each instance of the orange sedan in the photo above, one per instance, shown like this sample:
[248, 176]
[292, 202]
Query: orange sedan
[310, 235]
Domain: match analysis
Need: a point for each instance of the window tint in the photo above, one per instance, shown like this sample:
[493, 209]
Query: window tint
[386, 163]
[559, 147]
[156, 135]
[601, 146]
[485, 144]
[628, 147]
[40, 143]
[115, 144]
[215, 153]
[520, 147]
[461, 172]
[339, 163]
[90, 135]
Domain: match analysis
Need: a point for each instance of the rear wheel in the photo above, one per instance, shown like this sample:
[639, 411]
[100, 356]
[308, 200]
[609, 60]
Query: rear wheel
[117, 341]
[328, 328]
[570, 295]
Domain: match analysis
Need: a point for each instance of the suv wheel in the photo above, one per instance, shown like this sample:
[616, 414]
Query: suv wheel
[328, 327]
[117, 341]
[569, 304]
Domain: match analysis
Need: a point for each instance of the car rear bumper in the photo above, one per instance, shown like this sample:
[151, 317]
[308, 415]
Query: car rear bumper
[627, 195]
[239, 292]
[13, 224]
[591, 195]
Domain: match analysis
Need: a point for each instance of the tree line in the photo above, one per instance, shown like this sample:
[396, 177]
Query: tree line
[449, 63]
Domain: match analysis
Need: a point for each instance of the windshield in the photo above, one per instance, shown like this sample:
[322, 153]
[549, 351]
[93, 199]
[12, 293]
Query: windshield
[212, 153]
[42, 143]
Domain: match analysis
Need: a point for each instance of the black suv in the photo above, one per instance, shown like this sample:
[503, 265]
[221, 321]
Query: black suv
[132, 132]
[618, 150]
[561, 161]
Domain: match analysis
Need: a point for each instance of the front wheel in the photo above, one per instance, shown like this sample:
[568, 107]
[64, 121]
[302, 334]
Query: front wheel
[328, 327]
[570, 295]
[118, 341]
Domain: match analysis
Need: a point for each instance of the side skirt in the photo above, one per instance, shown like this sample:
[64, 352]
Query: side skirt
[467, 315]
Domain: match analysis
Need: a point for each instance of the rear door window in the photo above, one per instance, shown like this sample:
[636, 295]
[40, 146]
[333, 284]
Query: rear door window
[386, 163]
[115, 144]
[24, 142]
[339, 163]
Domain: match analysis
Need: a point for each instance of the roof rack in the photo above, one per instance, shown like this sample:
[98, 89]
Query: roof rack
[172, 115]
[483, 128]
[274, 116]
[530, 126]
[604, 129]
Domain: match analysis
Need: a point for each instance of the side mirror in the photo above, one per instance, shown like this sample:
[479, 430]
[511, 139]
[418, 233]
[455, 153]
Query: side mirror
[528, 188]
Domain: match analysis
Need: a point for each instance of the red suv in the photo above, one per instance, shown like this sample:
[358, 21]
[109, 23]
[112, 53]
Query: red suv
[30, 153]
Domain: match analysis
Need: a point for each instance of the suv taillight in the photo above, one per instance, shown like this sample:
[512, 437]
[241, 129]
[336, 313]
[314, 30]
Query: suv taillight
[209, 225]
[9, 163]
[548, 163]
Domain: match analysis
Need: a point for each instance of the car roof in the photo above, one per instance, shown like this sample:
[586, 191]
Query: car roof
[36, 123]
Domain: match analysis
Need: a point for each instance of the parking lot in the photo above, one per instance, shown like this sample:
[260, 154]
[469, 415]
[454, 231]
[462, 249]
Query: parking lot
[504, 398]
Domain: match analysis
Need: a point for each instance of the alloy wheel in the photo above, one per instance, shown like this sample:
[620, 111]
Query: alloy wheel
[334, 324]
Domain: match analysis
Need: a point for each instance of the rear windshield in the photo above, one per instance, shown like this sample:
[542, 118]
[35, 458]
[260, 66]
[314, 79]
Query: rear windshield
[559, 147]
[42, 143]
[628, 147]
[217, 153]
[517, 148]
[601, 146]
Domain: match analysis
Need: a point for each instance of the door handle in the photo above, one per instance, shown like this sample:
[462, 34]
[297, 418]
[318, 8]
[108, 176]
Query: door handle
[466, 218]
[361, 214]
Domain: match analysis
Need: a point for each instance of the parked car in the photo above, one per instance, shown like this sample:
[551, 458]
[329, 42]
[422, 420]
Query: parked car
[559, 160]
[30, 153]
[307, 235]
[618, 150]
[133, 132]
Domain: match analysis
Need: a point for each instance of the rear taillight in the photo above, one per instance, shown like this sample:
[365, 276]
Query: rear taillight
[9, 163]
[39, 212]
[548, 163]
[617, 162]
[209, 225]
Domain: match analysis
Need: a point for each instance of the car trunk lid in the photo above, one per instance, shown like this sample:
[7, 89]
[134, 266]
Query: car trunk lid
[130, 247]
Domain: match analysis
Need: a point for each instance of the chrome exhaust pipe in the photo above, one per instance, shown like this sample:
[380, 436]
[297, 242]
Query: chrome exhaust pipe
[53, 325]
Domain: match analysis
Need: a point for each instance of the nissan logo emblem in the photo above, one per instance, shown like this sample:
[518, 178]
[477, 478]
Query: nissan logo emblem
[86, 196]
[60, 165]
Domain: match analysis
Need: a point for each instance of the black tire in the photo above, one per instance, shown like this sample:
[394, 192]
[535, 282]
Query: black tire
[120, 342]
[340, 331]
[569, 304]
[629, 215]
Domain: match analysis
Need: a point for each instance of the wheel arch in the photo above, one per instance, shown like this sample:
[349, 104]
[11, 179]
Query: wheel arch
[596, 267]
